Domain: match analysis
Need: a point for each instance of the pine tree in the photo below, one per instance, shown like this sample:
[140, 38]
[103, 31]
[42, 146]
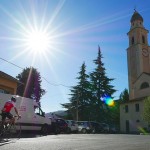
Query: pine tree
[80, 94]
[124, 96]
[31, 87]
[100, 86]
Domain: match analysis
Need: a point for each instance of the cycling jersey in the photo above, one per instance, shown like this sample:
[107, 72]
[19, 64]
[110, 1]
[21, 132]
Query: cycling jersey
[8, 106]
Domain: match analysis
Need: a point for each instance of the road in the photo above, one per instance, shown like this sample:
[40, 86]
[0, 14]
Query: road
[80, 142]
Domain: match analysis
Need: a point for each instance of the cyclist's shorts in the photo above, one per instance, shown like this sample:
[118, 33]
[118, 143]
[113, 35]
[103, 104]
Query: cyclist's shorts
[6, 114]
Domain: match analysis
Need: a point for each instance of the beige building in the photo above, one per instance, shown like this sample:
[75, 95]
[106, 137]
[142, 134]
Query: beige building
[138, 58]
[8, 84]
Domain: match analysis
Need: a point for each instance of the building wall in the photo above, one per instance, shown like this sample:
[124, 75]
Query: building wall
[138, 58]
[136, 122]
[138, 92]
[8, 85]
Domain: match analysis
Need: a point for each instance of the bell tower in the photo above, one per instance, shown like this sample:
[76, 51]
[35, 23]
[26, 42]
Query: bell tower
[138, 57]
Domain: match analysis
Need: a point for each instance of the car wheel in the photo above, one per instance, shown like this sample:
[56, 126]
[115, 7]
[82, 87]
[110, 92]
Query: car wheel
[84, 131]
[57, 130]
[44, 130]
[94, 131]
[68, 130]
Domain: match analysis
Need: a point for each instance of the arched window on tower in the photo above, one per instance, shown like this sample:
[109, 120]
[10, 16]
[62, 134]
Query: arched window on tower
[144, 85]
[132, 40]
[143, 39]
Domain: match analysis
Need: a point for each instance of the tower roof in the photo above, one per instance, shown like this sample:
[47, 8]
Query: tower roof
[136, 16]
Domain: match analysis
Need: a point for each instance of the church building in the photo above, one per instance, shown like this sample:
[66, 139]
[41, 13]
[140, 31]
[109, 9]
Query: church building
[138, 58]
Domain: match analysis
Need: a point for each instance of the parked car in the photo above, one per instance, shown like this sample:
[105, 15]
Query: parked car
[113, 129]
[61, 126]
[72, 125]
[96, 127]
[104, 128]
[84, 127]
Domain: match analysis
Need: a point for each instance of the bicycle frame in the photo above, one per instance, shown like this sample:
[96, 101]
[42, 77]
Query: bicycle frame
[9, 129]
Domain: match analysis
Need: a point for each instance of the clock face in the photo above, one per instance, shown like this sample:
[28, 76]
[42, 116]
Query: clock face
[145, 52]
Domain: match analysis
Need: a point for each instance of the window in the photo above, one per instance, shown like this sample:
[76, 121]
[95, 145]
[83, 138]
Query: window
[143, 39]
[144, 85]
[4, 91]
[132, 40]
[127, 126]
[38, 111]
[126, 108]
[137, 108]
[1, 91]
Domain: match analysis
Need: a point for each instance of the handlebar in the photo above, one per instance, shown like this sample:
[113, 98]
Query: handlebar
[18, 117]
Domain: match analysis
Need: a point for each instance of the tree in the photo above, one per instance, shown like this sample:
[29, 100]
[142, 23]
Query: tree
[80, 94]
[86, 96]
[124, 96]
[146, 112]
[31, 87]
[100, 86]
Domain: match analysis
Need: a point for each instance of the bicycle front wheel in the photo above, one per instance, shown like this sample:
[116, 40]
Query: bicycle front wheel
[15, 130]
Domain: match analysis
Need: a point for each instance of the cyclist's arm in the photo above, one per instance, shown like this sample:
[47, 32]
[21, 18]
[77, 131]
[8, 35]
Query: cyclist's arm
[16, 111]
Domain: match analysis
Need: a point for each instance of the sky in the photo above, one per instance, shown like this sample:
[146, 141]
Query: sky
[57, 36]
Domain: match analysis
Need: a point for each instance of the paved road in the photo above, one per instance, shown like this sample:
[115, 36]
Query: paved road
[80, 142]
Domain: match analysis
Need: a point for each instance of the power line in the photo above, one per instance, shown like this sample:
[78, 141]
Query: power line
[41, 76]
[11, 63]
[56, 84]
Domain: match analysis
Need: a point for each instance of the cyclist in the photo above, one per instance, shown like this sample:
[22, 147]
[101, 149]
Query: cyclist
[7, 108]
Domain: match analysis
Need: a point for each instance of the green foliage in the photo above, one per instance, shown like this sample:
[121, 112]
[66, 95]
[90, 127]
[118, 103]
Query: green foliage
[31, 87]
[100, 86]
[146, 112]
[124, 96]
[114, 113]
[86, 95]
[80, 95]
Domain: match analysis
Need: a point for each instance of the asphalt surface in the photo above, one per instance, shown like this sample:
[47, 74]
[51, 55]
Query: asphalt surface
[79, 142]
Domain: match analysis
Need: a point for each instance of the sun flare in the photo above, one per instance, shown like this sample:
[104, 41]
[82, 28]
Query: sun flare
[38, 41]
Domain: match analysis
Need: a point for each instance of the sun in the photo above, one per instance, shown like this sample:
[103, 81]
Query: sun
[38, 41]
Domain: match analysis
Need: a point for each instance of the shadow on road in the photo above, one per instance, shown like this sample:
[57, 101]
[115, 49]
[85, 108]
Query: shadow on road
[24, 134]
[5, 141]
[30, 134]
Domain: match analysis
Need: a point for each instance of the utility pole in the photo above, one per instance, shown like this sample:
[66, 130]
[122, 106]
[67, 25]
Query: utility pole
[77, 115]
[77, 109]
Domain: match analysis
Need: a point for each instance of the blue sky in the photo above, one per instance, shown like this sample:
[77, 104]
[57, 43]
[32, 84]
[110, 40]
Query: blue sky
[74, 29]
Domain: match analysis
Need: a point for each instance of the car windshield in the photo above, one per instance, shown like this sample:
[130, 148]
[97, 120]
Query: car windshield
[80, 123]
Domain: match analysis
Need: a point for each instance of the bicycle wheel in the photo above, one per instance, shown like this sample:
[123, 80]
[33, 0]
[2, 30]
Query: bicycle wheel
[1, 132]
[12, 131]
[15, 130]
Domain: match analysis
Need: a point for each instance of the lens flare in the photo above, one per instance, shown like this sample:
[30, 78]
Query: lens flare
[108, 100]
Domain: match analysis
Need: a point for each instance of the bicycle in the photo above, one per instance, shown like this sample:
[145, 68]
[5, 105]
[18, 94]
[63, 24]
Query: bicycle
[9, 129]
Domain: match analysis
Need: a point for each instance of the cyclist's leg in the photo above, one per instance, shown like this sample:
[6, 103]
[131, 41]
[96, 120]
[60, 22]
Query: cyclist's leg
[7, 126]
[12, 119]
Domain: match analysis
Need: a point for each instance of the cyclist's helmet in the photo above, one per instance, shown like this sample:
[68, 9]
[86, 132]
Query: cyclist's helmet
[13, 99]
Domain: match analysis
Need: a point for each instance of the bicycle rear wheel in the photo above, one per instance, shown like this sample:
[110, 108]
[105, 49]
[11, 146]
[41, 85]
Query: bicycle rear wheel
[12, 131]
[1, 131]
